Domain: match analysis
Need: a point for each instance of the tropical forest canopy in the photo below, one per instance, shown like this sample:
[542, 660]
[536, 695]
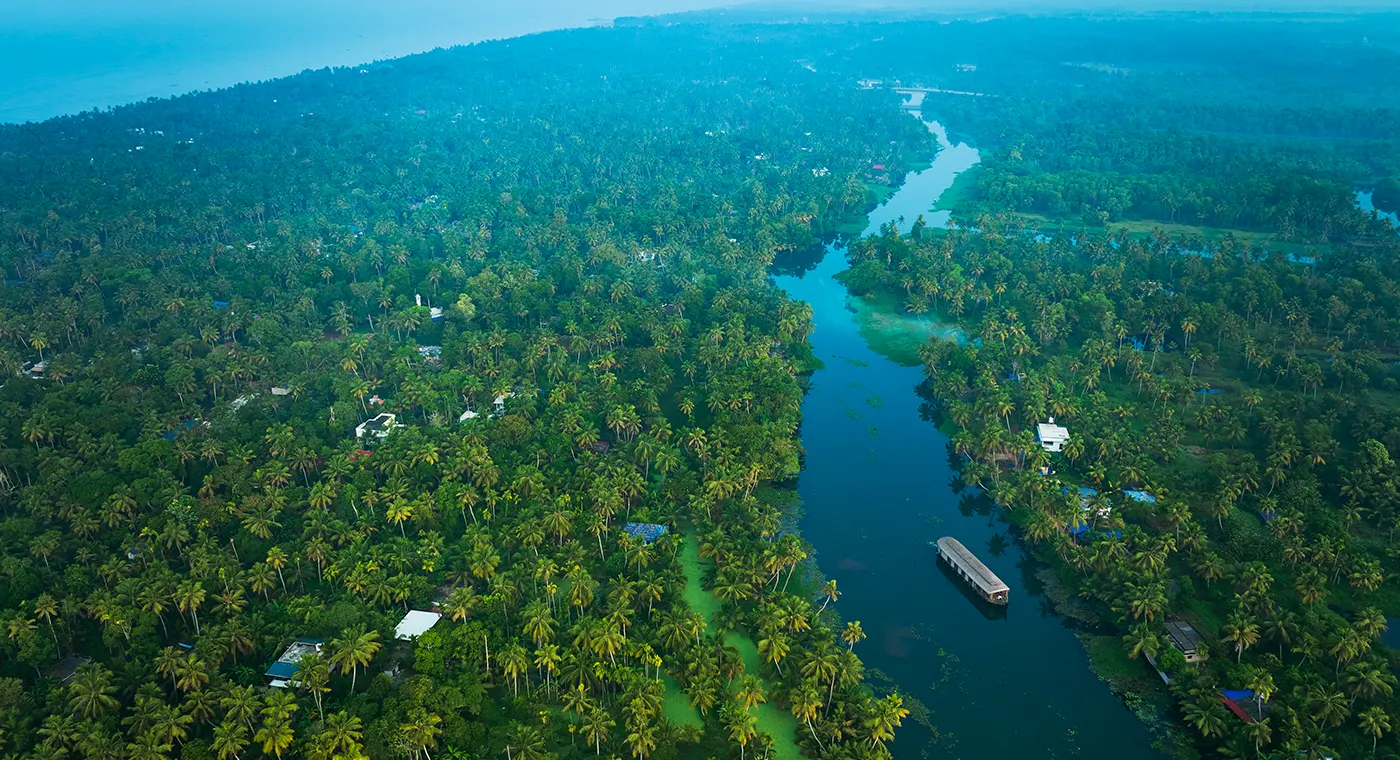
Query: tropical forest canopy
[548, 258]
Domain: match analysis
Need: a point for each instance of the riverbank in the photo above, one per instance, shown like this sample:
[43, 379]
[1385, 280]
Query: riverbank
[878, 486]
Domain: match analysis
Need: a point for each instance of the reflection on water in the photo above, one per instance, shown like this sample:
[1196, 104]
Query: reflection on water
[922, 189]
[1363, 199]
[1010, 682]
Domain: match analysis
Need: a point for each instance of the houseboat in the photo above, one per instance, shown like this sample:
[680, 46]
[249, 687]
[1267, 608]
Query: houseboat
[972, 571]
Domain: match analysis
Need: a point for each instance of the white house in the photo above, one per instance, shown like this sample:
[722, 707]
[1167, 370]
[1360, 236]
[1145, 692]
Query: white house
[378, 427]
[467, 415]
[1051, 436]
[498, 408]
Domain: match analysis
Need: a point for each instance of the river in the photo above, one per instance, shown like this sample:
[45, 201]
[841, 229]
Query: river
[1363, 199]
[877, 488]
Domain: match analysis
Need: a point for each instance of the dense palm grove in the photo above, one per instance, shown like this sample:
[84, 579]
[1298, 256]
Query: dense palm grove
[1250, 388]
[595, 231]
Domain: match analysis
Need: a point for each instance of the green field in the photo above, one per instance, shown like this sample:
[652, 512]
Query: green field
[1148, 227]
[961, 191]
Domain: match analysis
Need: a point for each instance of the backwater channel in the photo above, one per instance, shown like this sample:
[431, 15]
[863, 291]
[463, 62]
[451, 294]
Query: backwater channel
[878, 486]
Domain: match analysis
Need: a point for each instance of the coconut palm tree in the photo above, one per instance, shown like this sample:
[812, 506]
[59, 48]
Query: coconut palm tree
[883, 717]
[749, 693]
[90, 693]
[1207, 714]
[354, 650]
[1367, 680]
[188, 596]
[1242, 631]
[421, 731]
[275, 736]
[1142, 640]
[1376, 722]
[525, 743]
[230, 739]
[852, 635]
[741, 724]
[240, 704]
[596, 727]
[1260, 733]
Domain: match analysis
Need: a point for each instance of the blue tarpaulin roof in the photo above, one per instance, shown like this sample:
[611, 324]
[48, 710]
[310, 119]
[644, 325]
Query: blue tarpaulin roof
[1085, 530]
[1237, 693]
[648, 532]
[1141, 496]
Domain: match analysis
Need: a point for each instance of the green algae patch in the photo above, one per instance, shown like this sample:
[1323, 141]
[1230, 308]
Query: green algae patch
[772, 720]
[696, 596]
[677, 707]
[895, 334]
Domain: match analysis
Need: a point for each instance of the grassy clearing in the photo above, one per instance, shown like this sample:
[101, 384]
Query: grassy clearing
[878, 192]
[696, 596]
[1112, 663]
[963, 190]
[1147, 227]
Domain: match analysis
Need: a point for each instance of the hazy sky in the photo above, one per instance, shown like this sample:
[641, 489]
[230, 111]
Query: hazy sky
[63, 56]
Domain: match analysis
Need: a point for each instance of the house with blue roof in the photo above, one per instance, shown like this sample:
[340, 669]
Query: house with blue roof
[283, 671]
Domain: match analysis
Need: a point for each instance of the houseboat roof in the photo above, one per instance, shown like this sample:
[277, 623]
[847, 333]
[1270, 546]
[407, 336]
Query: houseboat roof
[986, 580]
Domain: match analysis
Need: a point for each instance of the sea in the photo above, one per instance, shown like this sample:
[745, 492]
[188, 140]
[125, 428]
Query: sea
[67, 56]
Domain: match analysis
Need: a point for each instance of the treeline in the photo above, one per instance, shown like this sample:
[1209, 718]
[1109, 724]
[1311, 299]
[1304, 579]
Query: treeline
[546, 257]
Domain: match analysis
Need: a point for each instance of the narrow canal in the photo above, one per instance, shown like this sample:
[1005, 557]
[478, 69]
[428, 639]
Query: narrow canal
[877, 488]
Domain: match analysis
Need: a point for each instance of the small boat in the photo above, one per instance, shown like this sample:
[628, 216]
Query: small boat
[972, 571]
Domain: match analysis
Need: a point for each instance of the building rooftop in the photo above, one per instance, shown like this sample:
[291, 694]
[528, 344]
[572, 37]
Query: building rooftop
[289, 663]
[415, 624]
[64, 670]
[378, 426]
[1049, 432]
[1183, 636]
